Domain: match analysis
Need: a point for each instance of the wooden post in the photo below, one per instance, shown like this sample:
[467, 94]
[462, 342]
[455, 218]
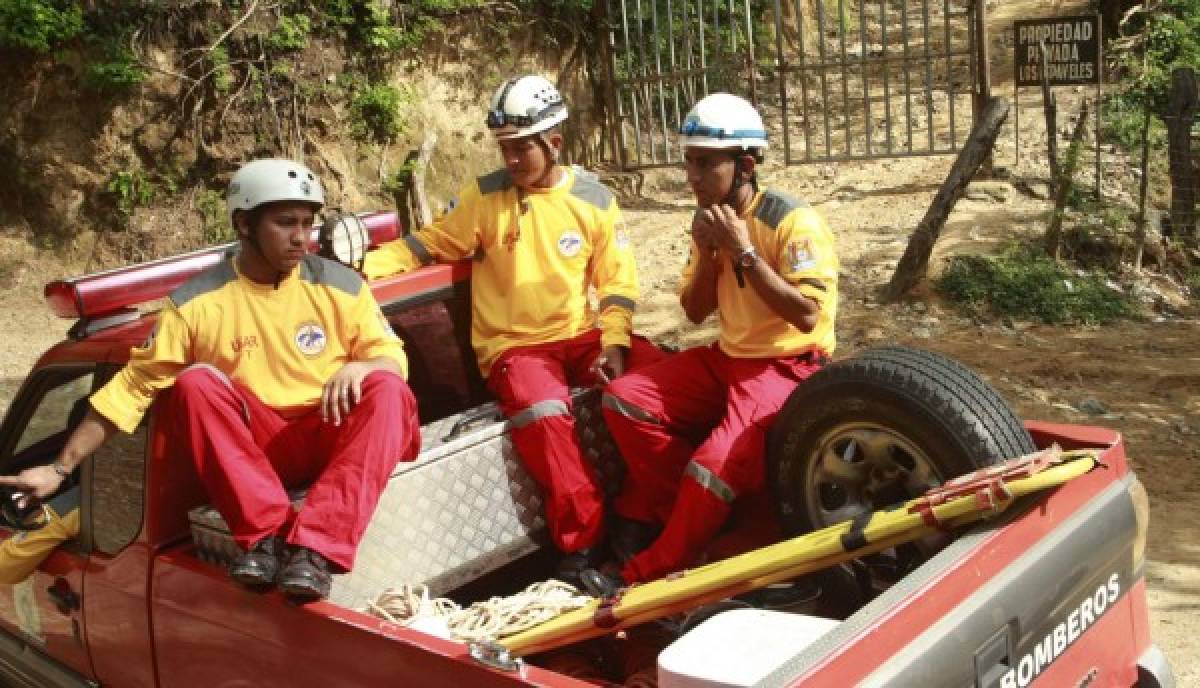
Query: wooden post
[1066, 181]
[1051, 109]
[913, 265]
[983, 89]
[1182, 107]
[416, 189]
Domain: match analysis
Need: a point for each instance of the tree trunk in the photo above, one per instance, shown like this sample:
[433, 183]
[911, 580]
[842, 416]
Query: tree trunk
[1063, 186]
[913, 265]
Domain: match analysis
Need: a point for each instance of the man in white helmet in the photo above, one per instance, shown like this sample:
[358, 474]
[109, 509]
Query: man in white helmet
[284, 373]
[541, 235]
[693, 430]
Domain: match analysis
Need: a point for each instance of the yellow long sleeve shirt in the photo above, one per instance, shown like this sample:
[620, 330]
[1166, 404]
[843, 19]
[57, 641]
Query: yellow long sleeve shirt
[281, 342]
[795, 241]
[537, 252]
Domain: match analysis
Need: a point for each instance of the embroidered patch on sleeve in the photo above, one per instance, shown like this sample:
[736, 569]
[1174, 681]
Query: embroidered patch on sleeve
[800, 254]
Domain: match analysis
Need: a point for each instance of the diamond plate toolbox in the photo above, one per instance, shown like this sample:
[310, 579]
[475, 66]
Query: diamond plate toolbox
[465, 507]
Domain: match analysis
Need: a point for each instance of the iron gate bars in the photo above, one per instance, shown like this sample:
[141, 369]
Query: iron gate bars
[853, 79]
[902, 74]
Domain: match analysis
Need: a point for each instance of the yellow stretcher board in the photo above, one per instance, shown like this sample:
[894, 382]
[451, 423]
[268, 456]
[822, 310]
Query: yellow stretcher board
[970, 498]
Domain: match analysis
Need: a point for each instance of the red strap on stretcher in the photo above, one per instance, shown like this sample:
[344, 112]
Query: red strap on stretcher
[988, 485]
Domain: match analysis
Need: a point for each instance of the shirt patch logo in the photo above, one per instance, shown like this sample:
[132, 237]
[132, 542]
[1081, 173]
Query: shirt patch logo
[242, 343]
[622, 236]
[800, 254]
[310, 339]
[570, 243]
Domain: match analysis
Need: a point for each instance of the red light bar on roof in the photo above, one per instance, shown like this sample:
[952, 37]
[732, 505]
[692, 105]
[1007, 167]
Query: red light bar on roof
[120, 289]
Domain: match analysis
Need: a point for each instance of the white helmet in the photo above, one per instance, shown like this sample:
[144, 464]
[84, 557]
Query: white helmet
[525, 105]
[272, 179]
[723, 120]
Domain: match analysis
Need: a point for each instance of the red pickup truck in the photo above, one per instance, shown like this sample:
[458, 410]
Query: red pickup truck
[1052, 593]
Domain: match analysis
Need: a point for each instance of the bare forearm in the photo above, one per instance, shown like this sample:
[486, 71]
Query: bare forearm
[91, 434]
[699, 298]
[783, 298]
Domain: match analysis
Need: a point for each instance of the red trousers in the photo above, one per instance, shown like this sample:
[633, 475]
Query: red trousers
[693, 433]
[247, 455]
[532, 384]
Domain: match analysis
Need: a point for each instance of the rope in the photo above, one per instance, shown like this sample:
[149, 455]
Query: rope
[485, 620]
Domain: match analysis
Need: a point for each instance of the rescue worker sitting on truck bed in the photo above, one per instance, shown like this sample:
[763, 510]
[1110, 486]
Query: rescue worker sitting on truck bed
[541, 235]
[285, 373]
[766, 263]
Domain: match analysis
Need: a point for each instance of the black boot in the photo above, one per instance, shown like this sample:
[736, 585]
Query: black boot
[571, 565]
[629, 537]
[600, 584]
[260, 565]
[306, 576]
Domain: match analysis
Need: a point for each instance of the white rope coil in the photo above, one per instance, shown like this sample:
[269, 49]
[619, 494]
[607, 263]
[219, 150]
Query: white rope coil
[484, 620]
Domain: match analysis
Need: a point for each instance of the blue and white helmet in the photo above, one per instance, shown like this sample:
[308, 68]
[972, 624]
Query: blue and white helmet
[723, 120]
[525, 105]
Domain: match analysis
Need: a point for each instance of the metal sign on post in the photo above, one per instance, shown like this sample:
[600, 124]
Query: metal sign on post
[1072, 49]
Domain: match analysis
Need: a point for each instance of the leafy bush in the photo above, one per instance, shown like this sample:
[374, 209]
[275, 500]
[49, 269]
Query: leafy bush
[211, 206]
[290, 34]
[1022, 282]
[118, 72]
[1165, 38]
[130, 190]
[38, 25]
[375, 113]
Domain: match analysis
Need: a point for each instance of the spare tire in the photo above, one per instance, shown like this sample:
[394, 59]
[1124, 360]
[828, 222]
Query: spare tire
[880, 427]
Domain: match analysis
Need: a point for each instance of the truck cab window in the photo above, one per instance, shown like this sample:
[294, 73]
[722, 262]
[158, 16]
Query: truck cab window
[61, 406]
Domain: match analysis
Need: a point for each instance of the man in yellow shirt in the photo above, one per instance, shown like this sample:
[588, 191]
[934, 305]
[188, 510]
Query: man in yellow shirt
[541, 235]
[284, 373]
[21, 553]
[693, 430]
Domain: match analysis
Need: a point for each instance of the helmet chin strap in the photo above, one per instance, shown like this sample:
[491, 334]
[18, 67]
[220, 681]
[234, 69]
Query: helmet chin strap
[738, 180]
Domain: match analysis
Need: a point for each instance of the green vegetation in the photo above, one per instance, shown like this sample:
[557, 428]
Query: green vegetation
[130, 190]
[1022, 282]
[1193, 282]
[290, 34]
[1166, 38]
[118, 72]
[211, 206]
[376, 113]
[38, 26]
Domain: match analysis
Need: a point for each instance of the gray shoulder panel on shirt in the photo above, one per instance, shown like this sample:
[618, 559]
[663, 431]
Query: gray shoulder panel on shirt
[588, 188]
[775, 206]
[323, 271]
[211, 279]
[494, 181]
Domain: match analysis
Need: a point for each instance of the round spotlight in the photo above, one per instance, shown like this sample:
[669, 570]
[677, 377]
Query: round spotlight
[344, 238]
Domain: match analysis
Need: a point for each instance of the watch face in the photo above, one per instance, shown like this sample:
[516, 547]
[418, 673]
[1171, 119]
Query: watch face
[747, 259]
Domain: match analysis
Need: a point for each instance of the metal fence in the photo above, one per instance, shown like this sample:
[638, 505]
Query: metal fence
[834, 79]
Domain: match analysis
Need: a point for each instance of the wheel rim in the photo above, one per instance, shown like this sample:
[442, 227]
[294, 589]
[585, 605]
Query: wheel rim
[863, 467]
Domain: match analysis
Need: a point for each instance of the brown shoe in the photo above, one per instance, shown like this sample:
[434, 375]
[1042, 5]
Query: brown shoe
[306, 577]
[259, 566]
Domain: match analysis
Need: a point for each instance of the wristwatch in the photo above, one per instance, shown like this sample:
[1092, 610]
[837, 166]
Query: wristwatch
[747, 258]
[60, 469]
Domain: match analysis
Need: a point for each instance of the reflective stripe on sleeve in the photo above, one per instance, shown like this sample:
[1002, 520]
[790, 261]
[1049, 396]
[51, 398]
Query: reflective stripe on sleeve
[618, 301]
[414, 244]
